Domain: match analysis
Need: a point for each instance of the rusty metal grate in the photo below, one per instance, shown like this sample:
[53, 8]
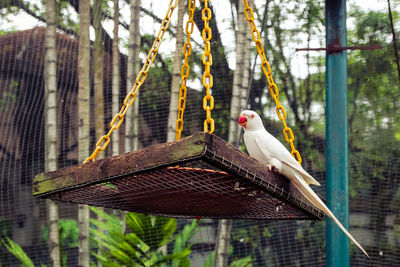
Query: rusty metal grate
[208, 182]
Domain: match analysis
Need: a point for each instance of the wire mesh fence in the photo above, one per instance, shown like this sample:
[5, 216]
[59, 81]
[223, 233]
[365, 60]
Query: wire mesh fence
[373, 131]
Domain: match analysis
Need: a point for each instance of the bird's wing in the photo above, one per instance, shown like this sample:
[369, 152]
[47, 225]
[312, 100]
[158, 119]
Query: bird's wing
[306, 176]
[271, 146]
[307, 192]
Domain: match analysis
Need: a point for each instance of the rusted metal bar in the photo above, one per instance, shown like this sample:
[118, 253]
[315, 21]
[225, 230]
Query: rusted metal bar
[341, 48]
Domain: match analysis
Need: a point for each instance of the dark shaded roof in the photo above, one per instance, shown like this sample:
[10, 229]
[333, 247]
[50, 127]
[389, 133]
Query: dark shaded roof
[23, 53]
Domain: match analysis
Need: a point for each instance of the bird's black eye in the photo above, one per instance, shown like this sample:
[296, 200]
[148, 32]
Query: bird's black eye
[252, 116]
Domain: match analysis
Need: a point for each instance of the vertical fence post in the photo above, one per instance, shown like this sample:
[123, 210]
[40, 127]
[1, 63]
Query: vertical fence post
[337, 247]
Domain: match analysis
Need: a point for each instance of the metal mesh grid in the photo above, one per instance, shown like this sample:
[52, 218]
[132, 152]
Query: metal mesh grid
[188, 191]
[375, 182]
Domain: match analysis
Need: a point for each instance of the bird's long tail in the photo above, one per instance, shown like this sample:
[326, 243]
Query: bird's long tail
[314, 199]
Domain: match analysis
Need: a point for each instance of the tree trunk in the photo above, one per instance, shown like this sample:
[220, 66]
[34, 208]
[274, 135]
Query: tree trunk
[132, 121]
[247, 48]
[176, 77]
[98, 56]
[115, 83]
[132, 130]
[239, 92]
[222, 243]
[51, 126]
[240, 76]
[83, 225]
[115, 78]
[238, 103]
[98, 62]
[83, 121]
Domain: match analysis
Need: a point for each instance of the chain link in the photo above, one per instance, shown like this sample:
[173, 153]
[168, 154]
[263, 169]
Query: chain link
[141, 77]
[208, 100]
[273, 89]
[187, 51]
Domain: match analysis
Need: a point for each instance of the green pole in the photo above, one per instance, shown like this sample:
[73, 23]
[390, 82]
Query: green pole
[337, 178]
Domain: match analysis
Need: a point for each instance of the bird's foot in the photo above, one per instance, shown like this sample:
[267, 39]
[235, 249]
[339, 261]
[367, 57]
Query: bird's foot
[272, 168]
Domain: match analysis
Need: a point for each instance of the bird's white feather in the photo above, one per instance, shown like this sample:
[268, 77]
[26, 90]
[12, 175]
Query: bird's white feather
[269, 145]
[265, 148]
[309, 194]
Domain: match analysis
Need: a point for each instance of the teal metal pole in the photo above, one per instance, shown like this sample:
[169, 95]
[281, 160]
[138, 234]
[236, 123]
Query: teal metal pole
[337, 178]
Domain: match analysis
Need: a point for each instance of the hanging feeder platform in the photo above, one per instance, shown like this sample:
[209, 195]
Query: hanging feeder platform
[200, 175]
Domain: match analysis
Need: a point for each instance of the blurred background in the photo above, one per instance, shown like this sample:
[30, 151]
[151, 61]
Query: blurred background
[67, 65]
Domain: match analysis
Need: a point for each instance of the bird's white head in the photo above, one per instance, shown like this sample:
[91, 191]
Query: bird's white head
[250, 121]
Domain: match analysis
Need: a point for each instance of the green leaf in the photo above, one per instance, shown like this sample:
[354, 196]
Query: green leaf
[99, 235]
[141, 246]
[136, 222]
[112, 222]
[121, 256]
[397, 136]
[210, 260]
[179, 244]
[189, 231]
[168, 226]
[171, 257]
[241, 262]
[69, 233]
[100, 257]
[137, 243]
[182, 239]
[185, 262]
[18, 252]
[109, 185]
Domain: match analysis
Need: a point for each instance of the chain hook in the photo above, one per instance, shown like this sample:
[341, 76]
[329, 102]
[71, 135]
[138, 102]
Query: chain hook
[141, 77]
[273, 89]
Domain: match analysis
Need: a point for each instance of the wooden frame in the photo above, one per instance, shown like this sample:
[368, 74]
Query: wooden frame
[244, 180]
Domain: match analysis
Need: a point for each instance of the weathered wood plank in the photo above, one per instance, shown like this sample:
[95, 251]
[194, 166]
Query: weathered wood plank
[132, 170]
[232, 154]
[251, 166]
[149, 157]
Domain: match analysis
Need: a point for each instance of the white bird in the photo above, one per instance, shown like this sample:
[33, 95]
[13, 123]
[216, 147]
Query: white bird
[265, 148]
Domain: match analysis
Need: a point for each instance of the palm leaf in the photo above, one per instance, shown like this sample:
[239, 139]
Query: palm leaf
[18, 252]
[168, 258]
[137, 222]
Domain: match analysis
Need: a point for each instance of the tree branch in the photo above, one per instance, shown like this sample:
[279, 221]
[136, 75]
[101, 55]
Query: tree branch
[286, 76]
[25, 8]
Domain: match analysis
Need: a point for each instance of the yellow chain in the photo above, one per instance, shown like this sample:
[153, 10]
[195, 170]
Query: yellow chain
[207, 77]
[273, 89]
[141, 77]
[187, 51]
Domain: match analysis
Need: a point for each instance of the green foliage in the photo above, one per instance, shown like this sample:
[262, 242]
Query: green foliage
[66, 15]
[181, 242]
[144, 226]
[9, 96]
[249, 239]
[18, 252]
[373, 106]
[68, 235]
[210, 260]
[243, 262]
[236, 262]
[373, 120]
[144, 242]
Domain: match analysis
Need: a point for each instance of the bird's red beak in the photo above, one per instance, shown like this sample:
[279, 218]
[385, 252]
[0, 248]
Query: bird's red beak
[242, 121]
